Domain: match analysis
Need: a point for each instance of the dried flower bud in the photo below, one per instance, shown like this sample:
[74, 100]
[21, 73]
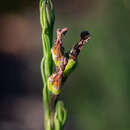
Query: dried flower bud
[84, 35]
[55, 80]
[61, 33]
[58, 50]
[74, 52]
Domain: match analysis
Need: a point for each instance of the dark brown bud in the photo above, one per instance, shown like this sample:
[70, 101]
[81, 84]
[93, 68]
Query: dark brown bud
[84, 35]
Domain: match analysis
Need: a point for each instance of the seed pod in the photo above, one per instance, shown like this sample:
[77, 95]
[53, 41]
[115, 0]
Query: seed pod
[69, 67]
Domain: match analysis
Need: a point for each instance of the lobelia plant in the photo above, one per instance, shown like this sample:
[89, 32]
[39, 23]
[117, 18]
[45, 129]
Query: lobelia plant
[55, 113]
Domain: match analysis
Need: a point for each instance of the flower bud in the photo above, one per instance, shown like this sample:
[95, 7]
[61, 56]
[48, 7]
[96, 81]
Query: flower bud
[58, 50]
[74, 52]
[55, 80]
[61, 113]
[47, 16]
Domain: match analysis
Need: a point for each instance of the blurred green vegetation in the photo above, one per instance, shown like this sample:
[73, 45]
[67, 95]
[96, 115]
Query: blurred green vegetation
[98, 91]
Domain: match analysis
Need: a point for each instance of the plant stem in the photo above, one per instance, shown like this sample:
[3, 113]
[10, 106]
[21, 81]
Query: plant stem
[55, 114]
[47, 22]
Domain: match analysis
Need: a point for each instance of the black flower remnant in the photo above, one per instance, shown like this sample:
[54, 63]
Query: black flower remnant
[74, 52]
[85, 35]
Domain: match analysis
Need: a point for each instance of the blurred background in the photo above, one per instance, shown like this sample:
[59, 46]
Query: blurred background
[96, 94]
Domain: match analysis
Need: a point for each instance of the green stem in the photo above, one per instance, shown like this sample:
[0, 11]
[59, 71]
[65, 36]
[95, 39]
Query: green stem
[47, 22]
[47, 120]
[45, 98]
[57, 119]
